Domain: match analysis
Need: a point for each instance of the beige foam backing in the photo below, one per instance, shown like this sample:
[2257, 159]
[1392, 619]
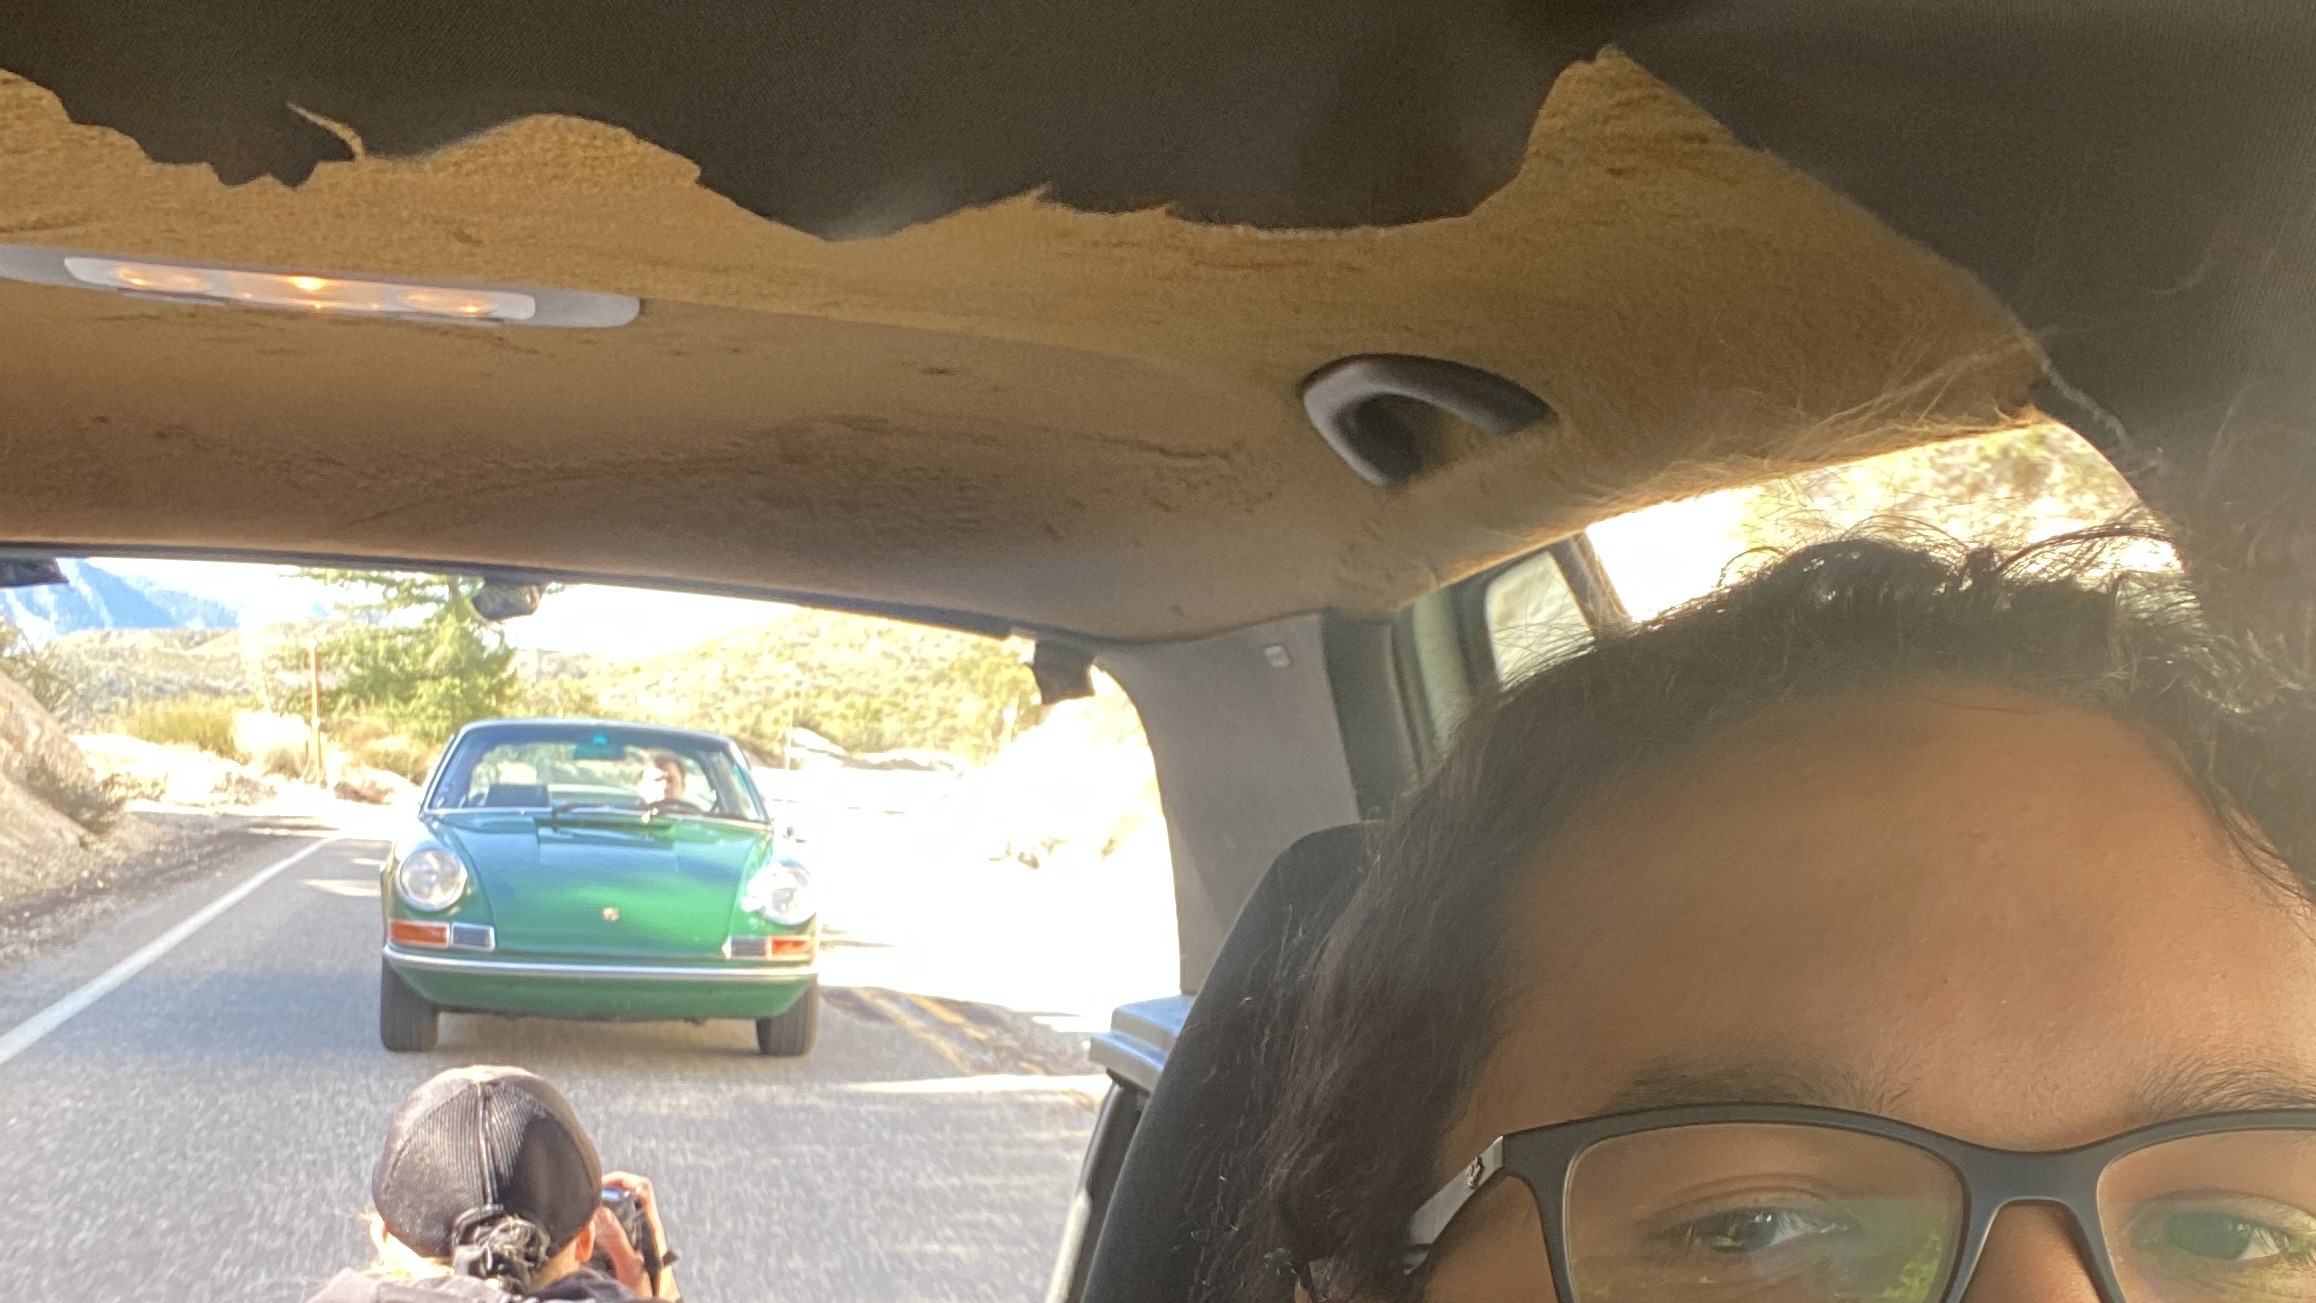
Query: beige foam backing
[1065, 419]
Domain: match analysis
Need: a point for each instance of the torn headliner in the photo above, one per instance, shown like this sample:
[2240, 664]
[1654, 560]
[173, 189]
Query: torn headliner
[1082, 420]
[2129, 178]
[1073, 420]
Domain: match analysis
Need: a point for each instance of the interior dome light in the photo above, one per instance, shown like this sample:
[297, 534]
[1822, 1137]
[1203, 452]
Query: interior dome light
[161, 280]
[316, 293]
[321, 293]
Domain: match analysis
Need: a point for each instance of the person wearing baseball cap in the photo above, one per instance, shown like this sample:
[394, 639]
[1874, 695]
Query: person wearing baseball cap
[489, 1190]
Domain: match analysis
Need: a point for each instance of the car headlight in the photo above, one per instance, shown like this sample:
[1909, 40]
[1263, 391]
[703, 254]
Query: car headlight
[781, 892]
[430, 879]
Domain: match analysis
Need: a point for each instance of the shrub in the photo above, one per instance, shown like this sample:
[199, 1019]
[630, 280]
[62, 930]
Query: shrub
[92, 805]
[286, 759]
[37, 670]
[556, 698]
[206, 723]
[395, 755]
[355, 731]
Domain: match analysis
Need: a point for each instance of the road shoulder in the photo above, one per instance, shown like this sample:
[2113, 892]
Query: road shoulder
[52, 942]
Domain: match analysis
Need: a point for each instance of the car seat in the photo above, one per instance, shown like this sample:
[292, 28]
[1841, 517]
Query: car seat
[519, 796]
[1170, 1190]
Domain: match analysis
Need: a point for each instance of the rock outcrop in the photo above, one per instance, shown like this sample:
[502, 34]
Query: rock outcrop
[57, 820]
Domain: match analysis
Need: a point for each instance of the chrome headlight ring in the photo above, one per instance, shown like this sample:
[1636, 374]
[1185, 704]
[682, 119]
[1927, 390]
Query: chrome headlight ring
[780, 892]
[430, 880]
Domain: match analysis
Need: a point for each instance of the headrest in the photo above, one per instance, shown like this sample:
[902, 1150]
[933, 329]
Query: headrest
[1169, 1190]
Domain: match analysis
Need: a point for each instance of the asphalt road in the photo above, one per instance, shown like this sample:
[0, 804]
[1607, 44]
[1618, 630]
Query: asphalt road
[205, 1130]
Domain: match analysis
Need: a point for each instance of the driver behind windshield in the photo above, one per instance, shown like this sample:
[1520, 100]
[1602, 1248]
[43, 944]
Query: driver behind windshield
[662, 781]
[1892, 925]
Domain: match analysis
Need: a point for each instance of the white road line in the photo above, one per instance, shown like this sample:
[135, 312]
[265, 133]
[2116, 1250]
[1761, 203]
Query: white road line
[26, 1034]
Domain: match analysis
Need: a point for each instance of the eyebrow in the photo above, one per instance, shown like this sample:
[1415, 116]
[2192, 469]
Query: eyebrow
[2178, 1090]
[2187, 1089]
[1672, 1084]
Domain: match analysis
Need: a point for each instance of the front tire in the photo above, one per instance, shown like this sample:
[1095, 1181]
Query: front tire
[408, 1022]
[790, 1035]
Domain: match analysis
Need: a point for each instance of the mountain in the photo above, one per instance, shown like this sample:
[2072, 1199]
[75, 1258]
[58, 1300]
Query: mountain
[116, 670]
[96, 598]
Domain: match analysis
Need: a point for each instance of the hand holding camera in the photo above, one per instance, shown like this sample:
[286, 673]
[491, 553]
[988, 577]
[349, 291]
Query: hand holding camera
[630, 1239]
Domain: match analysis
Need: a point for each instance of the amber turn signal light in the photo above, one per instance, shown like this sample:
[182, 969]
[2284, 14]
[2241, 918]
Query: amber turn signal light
[411, 932]
[798, 947]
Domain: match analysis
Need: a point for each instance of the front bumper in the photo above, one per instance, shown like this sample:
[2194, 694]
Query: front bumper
[619, 989]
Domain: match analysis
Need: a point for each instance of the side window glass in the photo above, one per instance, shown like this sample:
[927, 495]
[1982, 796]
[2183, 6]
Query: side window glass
[1533, 618]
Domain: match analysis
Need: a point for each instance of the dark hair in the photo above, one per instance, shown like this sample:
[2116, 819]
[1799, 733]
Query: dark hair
[503, 1248]
[1377, 1041]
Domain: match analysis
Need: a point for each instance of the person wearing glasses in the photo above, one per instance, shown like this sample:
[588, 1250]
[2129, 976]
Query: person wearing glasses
[1893, 927]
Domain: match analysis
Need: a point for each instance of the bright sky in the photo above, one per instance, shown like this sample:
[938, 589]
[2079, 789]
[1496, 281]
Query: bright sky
[598, 618]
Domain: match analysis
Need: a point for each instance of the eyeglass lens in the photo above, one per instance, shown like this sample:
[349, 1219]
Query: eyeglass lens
[2222, 1218]
[1774, 1213]
[1726, 1212]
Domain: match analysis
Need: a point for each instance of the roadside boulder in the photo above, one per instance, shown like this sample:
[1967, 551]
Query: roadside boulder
[59, 825]
[39, 757]
[133, 768]
[374, 786]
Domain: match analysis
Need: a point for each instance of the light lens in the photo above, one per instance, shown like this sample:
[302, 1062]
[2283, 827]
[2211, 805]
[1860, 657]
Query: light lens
[303, 290]
[781, 892]
[162, 280]
[430, 880]
[2225, 1217]
[411, 932]
[452, 303]
[796, 948]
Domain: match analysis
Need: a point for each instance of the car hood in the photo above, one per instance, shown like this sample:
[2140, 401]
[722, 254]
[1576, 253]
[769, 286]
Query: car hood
[612, 886]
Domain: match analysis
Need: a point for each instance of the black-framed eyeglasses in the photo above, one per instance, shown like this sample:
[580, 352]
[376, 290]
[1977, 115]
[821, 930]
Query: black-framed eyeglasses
[1787, 1204]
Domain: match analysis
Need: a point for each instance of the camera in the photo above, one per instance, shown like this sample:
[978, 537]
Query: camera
[626, 1209]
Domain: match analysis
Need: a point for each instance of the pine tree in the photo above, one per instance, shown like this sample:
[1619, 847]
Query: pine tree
[411, 652]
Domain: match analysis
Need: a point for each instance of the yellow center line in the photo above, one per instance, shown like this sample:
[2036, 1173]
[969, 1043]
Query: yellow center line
[949, 1016]
[900, 1015]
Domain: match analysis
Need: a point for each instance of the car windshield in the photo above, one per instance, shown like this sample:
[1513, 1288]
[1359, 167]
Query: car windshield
[555, 766]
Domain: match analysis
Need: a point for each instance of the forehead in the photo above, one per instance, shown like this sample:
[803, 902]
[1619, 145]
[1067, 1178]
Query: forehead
[1990, 915]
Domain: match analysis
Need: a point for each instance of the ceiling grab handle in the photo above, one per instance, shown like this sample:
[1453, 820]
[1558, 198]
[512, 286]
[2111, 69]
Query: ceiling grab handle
[1341, 400]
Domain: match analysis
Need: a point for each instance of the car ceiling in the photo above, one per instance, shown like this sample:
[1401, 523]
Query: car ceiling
[1003, 308]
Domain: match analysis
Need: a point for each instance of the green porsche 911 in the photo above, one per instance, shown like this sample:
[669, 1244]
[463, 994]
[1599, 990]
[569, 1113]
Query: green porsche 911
[587, 869]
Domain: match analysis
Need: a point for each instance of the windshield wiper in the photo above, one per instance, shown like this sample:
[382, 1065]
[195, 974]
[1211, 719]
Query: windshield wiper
[561, 808]
[648, 814]
[728, 818]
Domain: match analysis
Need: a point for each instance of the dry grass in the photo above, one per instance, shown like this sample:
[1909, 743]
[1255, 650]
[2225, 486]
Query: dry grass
[395, 755]
[286, 760]
[76, 797]
[206, 723]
